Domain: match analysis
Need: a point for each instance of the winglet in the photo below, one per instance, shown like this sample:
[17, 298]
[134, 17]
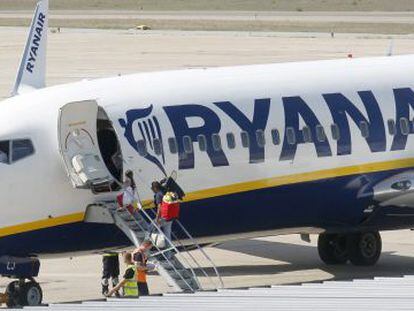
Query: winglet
[31, 74]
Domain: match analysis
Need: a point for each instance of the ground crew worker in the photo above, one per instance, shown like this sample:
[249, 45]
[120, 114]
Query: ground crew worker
[110, 270]
[129, 283]
[140, 258]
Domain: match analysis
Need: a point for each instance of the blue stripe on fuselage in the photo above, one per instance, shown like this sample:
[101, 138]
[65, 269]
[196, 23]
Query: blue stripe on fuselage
[334, 204]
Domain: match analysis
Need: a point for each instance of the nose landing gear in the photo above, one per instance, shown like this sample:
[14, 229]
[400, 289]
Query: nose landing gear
[21, 293]
[361, 249]
[25, 291]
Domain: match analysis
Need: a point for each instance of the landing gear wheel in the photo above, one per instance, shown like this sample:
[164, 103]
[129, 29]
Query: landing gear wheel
[332, 248]
[31, 294]
[23, 294]
[12, 292]
[364, 248]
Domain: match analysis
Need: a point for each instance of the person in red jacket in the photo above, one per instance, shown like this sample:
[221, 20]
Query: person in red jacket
[167, 211]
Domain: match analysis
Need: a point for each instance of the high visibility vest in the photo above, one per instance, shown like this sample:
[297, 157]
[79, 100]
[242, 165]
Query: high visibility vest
[142, 276]
[131, 287]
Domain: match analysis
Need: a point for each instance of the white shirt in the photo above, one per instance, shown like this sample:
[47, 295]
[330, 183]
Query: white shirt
[129, 196]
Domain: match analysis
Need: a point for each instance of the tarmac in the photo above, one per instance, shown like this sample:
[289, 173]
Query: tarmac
[76, 54]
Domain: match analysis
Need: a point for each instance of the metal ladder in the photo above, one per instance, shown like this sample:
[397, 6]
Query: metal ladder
[176, 263]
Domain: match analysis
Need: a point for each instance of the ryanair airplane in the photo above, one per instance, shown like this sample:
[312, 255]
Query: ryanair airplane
[312, 147]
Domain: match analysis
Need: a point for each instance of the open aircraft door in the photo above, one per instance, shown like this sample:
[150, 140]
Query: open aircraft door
[79, 145]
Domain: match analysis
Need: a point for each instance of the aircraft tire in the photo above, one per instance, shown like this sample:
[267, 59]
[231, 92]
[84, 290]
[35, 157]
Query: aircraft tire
[12, 291]
[332, 248]
[364, 248]
[31, 294]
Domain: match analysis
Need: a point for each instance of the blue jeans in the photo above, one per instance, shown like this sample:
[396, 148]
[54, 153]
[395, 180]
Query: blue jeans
[166, 227]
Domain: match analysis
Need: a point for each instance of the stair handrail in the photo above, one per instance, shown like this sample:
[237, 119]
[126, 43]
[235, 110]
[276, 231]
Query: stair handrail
[202, 251]
[193, 241]
[155, 225]
[188, 252]
[161, 251]
[159, 231]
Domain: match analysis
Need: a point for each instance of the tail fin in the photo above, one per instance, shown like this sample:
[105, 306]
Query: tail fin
[31, 74]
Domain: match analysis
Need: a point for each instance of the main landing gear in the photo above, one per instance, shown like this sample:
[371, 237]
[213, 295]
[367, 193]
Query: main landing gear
[23, 293]
[361, 249]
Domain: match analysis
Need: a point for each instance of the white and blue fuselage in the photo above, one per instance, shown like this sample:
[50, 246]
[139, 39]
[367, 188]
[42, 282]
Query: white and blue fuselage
[280, 148]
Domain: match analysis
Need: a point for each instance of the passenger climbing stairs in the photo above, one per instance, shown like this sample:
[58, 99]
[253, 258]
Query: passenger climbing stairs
[176, 261]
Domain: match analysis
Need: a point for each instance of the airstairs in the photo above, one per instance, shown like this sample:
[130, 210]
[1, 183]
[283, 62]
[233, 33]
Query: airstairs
[177, 262]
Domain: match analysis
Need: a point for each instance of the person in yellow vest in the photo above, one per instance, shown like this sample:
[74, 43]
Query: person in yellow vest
[129, 284]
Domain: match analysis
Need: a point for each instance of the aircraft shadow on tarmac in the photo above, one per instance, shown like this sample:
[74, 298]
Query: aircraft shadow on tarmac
[303, 257]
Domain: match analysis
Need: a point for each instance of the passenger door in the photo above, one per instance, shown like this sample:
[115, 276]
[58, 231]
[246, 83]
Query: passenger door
[79, 145]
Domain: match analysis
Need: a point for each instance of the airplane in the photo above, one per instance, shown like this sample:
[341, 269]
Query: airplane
[319, 147]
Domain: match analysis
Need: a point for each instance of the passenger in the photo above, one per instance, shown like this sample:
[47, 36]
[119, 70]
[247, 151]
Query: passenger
[158, 193]
[167, 212]
[140, 258]
[129, 283]
[130, 175]
[129, 196]
[110, 270]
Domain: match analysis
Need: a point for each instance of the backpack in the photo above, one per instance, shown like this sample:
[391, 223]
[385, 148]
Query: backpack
[170, 185]
[170, 206]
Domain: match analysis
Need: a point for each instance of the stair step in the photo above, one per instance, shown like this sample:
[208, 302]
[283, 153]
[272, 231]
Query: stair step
[159, 255]
[185, 274]
[137, 228]
[183, 285]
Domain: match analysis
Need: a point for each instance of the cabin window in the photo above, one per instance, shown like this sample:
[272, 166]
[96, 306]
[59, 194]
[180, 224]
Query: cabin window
[335, 132]
[5, 152]
[392, 127]
[307, 135]
[404, 126]
[172, 144]
[260, 137]
[21, 148]
[157, 146]
[202, 142]
[275, 137]
[216, 140]
[188, 144]
[231, 141]
[245, 139]
[363, 125]
[142, 147]
[320, 133]
[290, 135]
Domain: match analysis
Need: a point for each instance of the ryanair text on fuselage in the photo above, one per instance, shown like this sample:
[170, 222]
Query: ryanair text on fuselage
[296, 108]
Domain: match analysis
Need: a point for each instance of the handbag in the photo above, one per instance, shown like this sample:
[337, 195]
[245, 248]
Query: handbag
[158, 240]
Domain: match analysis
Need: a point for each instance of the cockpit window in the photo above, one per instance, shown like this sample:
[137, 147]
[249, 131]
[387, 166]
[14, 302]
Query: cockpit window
[21, 149]
[15, 150]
